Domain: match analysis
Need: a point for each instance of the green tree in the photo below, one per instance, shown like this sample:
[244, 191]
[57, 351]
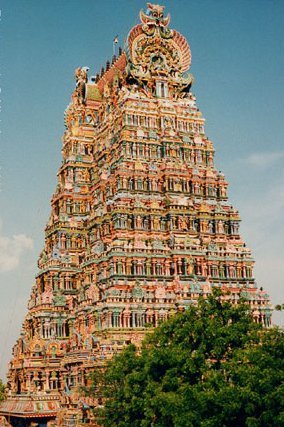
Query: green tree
[2, 390]
[210, 366]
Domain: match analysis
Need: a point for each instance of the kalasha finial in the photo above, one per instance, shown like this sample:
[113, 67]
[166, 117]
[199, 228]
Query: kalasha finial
[155, 16]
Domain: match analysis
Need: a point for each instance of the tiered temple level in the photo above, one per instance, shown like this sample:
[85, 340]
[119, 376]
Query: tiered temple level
[140, 225]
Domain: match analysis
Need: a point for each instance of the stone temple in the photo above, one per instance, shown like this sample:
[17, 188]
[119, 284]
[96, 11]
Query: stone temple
[140, 227]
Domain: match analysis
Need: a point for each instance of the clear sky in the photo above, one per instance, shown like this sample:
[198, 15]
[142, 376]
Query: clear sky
[238, 62]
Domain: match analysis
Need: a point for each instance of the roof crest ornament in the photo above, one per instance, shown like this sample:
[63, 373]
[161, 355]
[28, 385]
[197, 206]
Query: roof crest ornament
[154, 20]
[156, 52]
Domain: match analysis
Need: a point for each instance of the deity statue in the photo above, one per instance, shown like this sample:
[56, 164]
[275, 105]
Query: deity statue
[81, 76]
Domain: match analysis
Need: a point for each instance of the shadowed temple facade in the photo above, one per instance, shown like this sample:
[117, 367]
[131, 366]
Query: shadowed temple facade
[140, 227]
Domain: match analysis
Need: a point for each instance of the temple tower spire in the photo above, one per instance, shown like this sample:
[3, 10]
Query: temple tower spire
[140, 225]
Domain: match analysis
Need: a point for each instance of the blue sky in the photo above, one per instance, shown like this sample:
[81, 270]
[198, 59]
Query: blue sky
[238, 62]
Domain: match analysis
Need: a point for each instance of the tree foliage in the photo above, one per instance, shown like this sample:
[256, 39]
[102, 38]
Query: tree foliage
[210, 366]
[279, 307]
[2, 390]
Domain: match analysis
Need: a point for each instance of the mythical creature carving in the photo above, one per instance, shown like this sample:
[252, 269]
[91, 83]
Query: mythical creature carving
[155, 16]
[155, 20]
[156, 53]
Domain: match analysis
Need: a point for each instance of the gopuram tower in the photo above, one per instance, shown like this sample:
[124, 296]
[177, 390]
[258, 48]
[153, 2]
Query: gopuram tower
[140, 227]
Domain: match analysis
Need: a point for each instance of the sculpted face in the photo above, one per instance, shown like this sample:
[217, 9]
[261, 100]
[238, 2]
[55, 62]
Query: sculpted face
[157, 11]
[155, 16]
